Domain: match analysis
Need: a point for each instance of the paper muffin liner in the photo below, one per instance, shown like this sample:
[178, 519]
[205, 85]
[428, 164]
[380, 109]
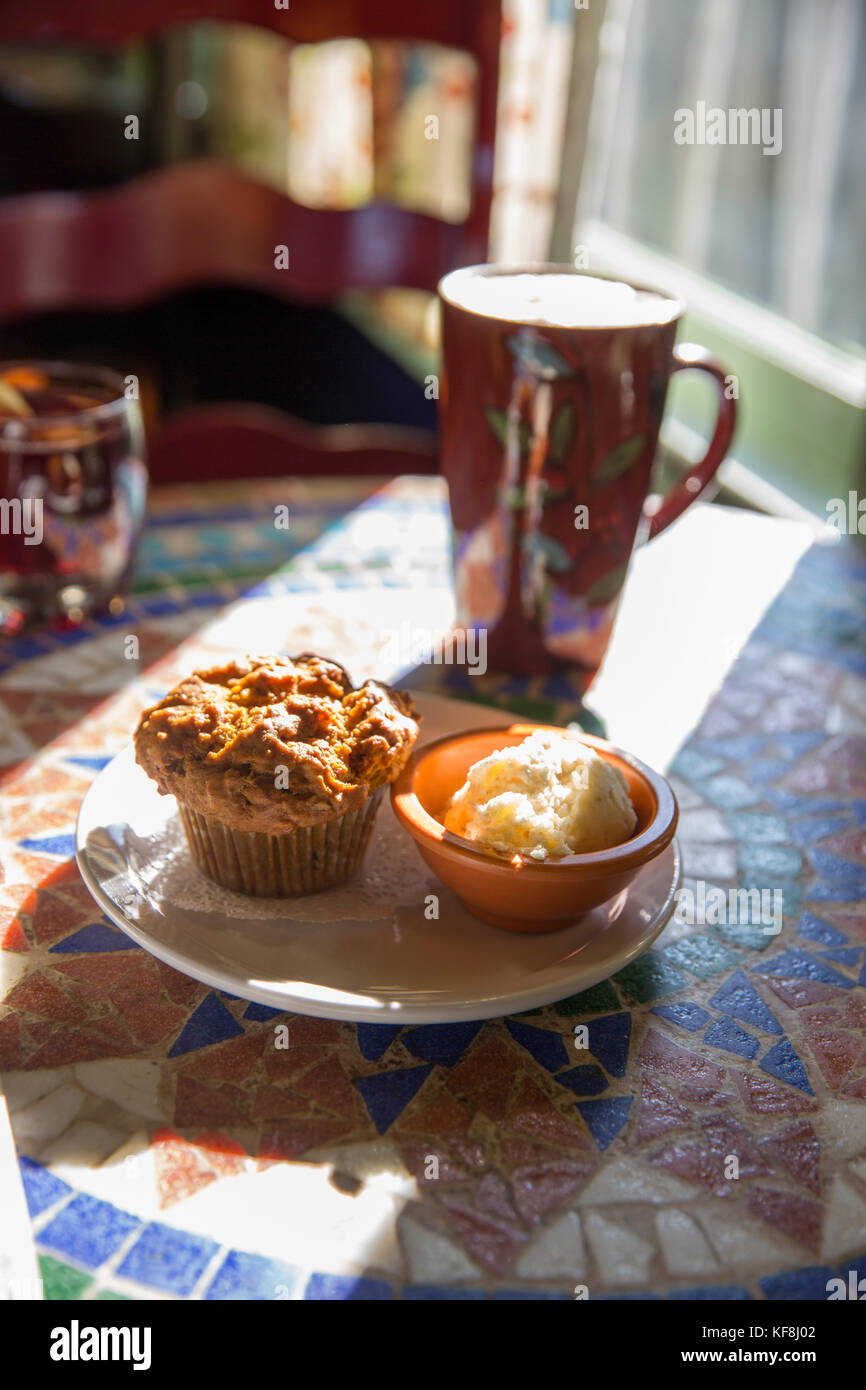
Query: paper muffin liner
[280, 866]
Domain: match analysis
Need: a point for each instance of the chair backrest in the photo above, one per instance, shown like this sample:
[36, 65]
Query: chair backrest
[202, 221]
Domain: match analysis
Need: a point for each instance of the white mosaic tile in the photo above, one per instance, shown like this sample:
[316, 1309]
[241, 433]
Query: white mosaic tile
[558, 1252]
[684, 1246]
[623, 1256]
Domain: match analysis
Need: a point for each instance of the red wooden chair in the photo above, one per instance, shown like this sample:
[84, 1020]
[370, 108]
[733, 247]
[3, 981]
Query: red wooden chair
[202, 222]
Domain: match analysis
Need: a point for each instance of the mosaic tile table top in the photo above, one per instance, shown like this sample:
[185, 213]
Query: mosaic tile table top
[709, 1141]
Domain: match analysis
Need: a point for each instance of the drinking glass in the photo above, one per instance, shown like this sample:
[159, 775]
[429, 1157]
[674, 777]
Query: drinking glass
[73, 486]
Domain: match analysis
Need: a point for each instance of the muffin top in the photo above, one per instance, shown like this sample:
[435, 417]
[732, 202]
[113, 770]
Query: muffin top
[273, 743]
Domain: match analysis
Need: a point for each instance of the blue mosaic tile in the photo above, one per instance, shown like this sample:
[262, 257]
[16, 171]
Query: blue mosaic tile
[96, 938]
[759, 827]
[814, 929]
[374, 1039]
[529, 1295]
[347, 1288]
[431, 1293]
[858, 809]
[605, 1118]
[804, 806]
[88, 1231]
[261, 1013]
[210, 1023]
[728, 1292]
[765, 770]
[387, 1094]
[50, 844]
[832, 893]
[849, 956]
[782, 1062]
[702, 954]
[695, 767]
[546, 1047]
[805, 1284]
[609, 1039]
[92, 764]
[830, 866]
[689, 1016]
[730, 1037]
[738, 747]
[41, 1188]
[253, 1277]
[168, 1259]
[775, 860]
[738, 998]
[811, 828]
[442, 1043]
[587, 1080]
[646, 1297]
[730, 793]
[797, 965]
[797, 744]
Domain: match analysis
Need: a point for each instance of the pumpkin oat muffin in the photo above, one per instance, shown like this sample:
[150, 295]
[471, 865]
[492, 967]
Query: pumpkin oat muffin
[278, 766]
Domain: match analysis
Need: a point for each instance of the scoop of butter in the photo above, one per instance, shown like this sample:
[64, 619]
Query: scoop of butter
[548, 796]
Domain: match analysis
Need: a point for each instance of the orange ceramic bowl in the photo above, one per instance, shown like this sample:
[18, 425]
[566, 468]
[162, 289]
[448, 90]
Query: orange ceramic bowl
[517, 893]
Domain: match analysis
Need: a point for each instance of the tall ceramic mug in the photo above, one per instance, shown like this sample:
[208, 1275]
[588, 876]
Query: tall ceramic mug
[551, 398]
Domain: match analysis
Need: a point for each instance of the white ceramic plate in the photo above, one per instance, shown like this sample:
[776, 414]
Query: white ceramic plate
[368, 951]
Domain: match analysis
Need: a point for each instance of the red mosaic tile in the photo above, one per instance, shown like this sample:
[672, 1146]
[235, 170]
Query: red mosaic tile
[486, 1075]
[703, 1095]
[312, 1030]
[38, 994]
[492, 1197]
[95, 976]
[705, 1162]
[196, 1104]
[274, 1103]
[838, 770]
[12, 937]
[55, 918]
[797, 1217]
[93, 1042]
[472, 1154]
[23, 818]
[223, 1153]
[12, 1050]
[417, 1156]
[180, 1169]
[492, 1244]
[834, 1051]
[797, 994]
[179, 988]
[44, 781]
[441, 1115]
[847, 844]
[533, 1114]
[234, 1060]
[659, 1111]
[148, 1020]
[663, 1054]
[281, 1064]
[766, 1097]
[328, 1086]
[855, 1087]
[855, 1014]
[797, 1149]
[542, 1189]
[291, 1139]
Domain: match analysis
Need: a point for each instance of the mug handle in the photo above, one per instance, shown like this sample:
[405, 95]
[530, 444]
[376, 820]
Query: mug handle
[689, 356]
